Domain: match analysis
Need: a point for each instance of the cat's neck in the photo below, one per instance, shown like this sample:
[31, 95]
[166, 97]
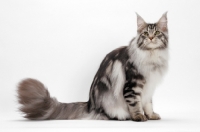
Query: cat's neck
[148, 61]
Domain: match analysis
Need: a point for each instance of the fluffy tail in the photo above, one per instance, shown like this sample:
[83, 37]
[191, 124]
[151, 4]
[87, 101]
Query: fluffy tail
[38, 105]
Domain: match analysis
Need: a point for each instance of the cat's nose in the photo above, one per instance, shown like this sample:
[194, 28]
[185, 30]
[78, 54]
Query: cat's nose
[150, 37]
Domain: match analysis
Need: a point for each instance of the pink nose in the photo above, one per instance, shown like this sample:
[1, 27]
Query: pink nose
[150, 38]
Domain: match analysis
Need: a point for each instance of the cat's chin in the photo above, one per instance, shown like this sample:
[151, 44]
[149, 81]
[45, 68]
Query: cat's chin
[152, 46]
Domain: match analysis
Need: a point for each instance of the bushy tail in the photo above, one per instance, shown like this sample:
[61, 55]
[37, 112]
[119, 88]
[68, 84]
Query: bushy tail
[35, 99]
[38, 105]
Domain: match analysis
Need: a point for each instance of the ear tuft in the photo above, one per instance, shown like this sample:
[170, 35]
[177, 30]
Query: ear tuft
[162, 23]
[140, 23]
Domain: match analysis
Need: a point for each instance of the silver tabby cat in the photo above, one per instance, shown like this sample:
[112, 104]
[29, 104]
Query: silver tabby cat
[122, 88]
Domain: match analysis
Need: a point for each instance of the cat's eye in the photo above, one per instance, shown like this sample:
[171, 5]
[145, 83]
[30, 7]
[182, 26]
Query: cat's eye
[146, 33]
[156, 33]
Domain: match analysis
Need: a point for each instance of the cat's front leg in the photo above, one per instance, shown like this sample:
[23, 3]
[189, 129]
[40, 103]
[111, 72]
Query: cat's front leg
[148, 110]
[132, 96]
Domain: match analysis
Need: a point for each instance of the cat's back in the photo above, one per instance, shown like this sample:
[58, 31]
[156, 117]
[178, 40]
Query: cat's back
[119, 54]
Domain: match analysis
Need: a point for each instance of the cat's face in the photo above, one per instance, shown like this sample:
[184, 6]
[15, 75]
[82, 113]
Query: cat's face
[152, 36]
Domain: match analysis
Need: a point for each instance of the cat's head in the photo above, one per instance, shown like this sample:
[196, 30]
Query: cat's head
[152, 35]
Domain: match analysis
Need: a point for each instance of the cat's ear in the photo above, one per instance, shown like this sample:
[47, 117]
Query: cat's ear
[162, 23]
[140, 23]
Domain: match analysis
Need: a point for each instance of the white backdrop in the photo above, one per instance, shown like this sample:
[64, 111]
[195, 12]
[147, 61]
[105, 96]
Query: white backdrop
[62, 43]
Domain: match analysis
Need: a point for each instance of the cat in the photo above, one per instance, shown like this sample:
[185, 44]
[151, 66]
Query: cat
[122, 88]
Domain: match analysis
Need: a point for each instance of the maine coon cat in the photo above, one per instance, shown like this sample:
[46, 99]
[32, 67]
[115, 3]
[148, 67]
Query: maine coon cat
[122, 88]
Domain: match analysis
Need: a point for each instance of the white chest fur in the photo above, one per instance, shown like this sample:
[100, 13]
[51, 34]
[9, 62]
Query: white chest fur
[151, 82]
[152, 65]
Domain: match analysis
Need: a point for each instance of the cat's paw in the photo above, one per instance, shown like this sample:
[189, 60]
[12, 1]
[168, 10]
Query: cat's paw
[154, 116]
[139, 118]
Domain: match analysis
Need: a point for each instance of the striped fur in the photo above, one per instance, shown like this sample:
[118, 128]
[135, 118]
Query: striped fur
[122, 88]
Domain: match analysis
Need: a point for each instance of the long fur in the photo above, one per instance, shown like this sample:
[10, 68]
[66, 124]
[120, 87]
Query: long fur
[122, 88]
[35, 99]
[38, 105]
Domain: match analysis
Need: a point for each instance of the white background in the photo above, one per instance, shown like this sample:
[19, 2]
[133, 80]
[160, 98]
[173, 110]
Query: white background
[62, 43]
